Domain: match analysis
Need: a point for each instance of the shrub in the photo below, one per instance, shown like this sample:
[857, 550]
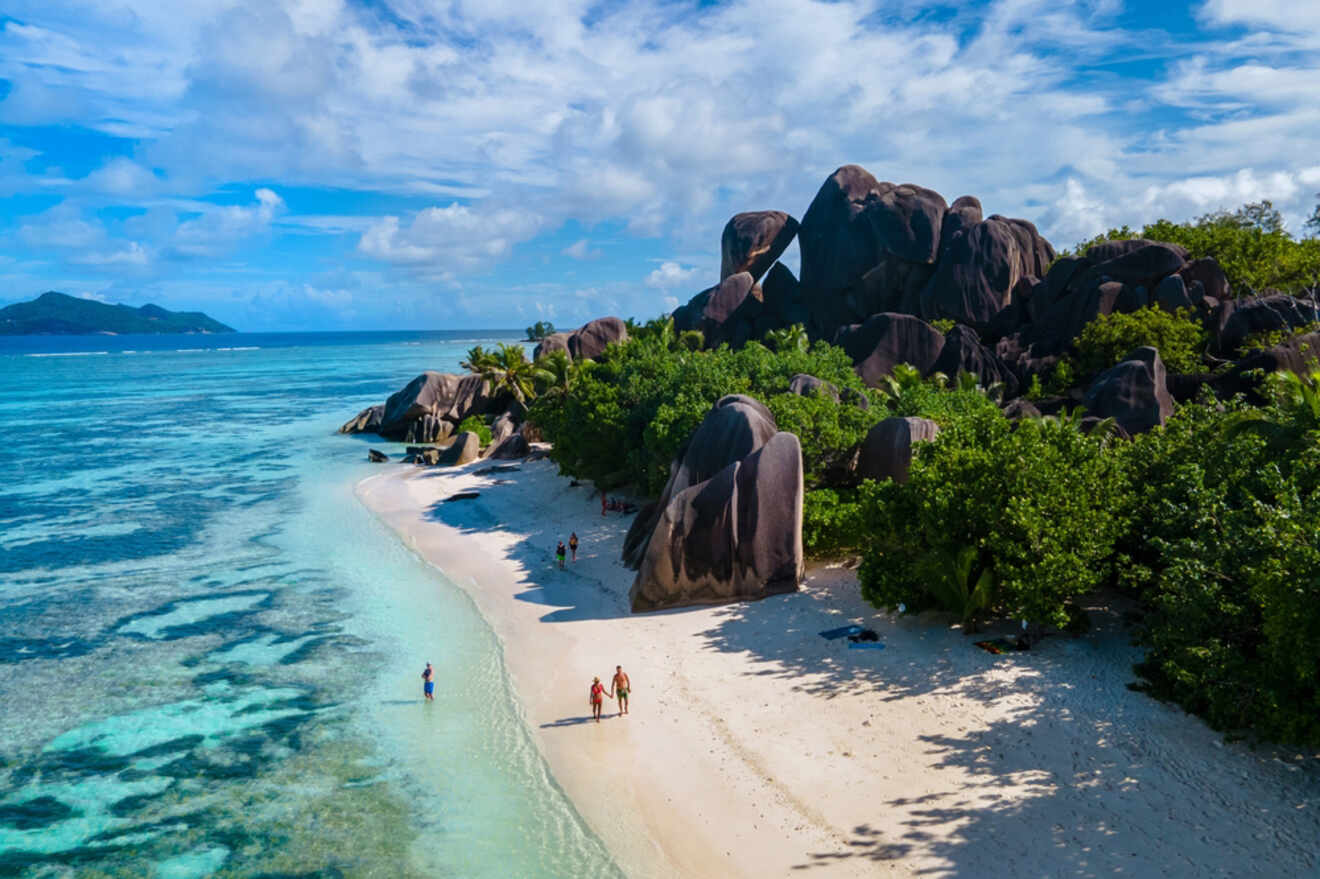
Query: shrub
[832, 522]
[476, 424]
[994, 520]
[1107, 339]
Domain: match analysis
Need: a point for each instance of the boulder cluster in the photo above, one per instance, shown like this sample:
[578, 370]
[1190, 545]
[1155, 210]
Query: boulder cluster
[728, 524]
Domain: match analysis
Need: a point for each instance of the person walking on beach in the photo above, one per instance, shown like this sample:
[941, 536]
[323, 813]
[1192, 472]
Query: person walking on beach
[559, 554]
[597, 697]
[604, 501]
[619, 689]
[573, 544]
[428, 684]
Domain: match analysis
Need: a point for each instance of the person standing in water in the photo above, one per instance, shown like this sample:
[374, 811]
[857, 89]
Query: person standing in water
[428, 683]
[559, 554]
[619, 689]
[596, 698]
[573, 544]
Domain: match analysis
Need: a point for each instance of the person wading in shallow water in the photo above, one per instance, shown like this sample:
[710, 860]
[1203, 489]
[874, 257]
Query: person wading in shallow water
[619, 689]
[559, 554]
[428, 684]
[597, 697]
[573, 544]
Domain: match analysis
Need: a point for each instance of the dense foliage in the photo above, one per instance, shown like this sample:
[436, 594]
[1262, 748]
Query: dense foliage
[1110, 337]
[1251, 243]
[994, 521]
[630, 412]
[476, 424]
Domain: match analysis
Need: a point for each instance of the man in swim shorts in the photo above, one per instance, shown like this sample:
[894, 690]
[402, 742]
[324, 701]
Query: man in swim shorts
[597, 697]
[560, 552]
[428, 685]
[619, 688]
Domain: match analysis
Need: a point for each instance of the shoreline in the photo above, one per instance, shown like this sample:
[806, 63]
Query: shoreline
[756, 748]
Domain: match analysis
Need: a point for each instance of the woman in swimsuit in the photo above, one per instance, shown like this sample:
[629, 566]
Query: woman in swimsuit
[573, 544]
[597, 697]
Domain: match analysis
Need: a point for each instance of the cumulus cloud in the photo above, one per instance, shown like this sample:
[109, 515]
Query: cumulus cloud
[581, 249]
[220, 227]
[452, 239]
[670, 274]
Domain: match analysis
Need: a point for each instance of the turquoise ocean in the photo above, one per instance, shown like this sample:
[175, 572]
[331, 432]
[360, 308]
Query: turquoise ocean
[210, 652]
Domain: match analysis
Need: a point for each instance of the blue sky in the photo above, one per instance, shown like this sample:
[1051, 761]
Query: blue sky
[375, 164]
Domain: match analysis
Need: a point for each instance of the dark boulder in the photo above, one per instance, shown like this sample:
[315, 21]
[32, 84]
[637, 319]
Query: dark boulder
[1107, 250]
[428, 429]
[1034, 253]
[884, 340]
[808, 385]
[907, 220]
[726, 312]
[836, 238]
[781, 298]
[377, 457]
[366, 421]
[734, 536]
[975, 275]
[441, 395]
[1134, 393]
[962, 214]
[753, 241]
[465, 448]
[735, 427]
[964, 353]
[503, 427]
[1171, 294]
[550, 344]
[1235, 320]
[1142, 266]
[886, 453]
[590, 340]
[1211, 275]
[513, 446]
[1058, 280]
[1020, 408]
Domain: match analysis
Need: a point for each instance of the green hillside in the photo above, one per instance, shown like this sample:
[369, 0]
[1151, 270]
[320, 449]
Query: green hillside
[57, 313]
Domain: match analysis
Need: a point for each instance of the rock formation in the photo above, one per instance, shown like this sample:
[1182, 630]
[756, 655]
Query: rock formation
[886, 452]
[465, 448]
[729, 522]
[1134, 393]
[753, 241]
[586, 342]
[885, 340]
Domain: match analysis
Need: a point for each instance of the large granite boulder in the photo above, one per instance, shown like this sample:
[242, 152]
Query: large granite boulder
[1107, 250]
[1143, 266]
[781, 298]
[513, 446]
[465, 448]
[964, 353]
[964, 213]
[907, 220]
[736, 535]
[976, 273]
[753, 241]
[1206, 270]
[1235, 320]
[836, 239]
[442, 395]
[886, 453]
[734, 428]
[726, 312]
[1134, 393]
[808, 386]
[590, 340]
[1171, 294]
[884, 340]
[366, 421]
[428, 429]
[550, 344]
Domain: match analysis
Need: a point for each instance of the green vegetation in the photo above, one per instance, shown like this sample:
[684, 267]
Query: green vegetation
[58, 313]
[1251, 244]
[1107, 339]
[539, 330]
[476, 424]
[506, 368]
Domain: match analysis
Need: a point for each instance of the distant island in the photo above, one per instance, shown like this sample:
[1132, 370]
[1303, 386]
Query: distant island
[54, 313]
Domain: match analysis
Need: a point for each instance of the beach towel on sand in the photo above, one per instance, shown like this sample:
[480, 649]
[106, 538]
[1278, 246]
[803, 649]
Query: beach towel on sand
[831, 634]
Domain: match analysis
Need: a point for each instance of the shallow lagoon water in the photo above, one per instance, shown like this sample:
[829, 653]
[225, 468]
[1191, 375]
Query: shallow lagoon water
[210, 652]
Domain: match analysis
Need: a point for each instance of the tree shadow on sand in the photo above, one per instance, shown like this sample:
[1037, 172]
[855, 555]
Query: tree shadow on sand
[572, 595]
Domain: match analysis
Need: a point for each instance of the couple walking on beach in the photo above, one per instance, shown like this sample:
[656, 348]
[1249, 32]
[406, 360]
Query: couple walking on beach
[572, 547]
[620, 687]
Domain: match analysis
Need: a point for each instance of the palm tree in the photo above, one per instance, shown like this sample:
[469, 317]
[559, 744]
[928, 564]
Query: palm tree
[1295, 411]
[556, 371]
[507, 369]
[904, 378]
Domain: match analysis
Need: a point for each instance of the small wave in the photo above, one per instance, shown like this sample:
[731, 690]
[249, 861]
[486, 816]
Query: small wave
[68, 354]
[189, 350]
[242, 348]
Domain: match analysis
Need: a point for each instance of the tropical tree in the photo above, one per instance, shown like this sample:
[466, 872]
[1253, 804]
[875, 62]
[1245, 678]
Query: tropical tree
[507, 369]
[790, 338]
[1294, 413]
[539, 330]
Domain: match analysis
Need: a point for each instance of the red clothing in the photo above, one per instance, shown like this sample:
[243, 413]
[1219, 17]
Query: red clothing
[597, 692]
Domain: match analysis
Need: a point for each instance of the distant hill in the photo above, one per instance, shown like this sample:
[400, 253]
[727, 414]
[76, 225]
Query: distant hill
[59, 314]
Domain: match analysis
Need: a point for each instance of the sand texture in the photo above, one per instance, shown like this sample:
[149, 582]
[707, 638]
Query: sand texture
[757, 748]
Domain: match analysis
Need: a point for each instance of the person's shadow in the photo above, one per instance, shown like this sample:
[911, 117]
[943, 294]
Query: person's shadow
[574, 721]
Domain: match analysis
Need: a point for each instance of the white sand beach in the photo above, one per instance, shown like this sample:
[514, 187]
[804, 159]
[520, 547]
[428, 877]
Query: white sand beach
[754, 747]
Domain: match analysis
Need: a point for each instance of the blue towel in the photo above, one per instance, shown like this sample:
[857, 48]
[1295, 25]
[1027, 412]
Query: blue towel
[866, 645]
[831, 634]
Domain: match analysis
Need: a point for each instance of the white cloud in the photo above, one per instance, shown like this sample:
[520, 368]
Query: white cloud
[581, 249]
[669, 275]
[450, 239]
[220, 227]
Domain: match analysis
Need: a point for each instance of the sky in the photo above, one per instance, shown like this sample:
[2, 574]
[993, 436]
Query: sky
[399, 164]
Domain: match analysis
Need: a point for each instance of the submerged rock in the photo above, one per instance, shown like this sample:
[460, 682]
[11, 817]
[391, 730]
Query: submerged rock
[376, 457]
